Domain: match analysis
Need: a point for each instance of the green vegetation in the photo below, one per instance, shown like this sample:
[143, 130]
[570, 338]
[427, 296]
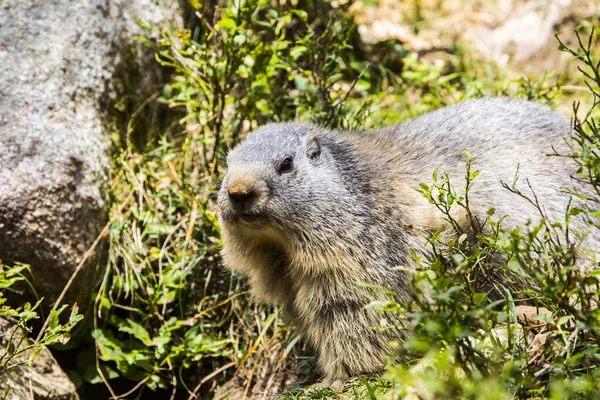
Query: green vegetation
[473, 339]
[168, 316]
[17, 350]
[170, 322]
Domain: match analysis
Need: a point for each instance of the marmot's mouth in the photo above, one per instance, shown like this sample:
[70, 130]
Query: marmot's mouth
[252, 218]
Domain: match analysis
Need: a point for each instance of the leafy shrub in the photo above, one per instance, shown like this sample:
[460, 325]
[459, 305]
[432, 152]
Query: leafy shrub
[17, 348]
[474, 340]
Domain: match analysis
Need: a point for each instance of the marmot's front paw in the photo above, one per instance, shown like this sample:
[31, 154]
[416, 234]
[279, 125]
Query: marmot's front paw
[333, 384]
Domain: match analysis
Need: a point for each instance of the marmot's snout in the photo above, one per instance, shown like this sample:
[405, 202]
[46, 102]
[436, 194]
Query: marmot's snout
[242, 195]
[246, 195]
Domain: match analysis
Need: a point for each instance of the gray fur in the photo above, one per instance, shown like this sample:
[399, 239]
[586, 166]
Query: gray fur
[349, 213]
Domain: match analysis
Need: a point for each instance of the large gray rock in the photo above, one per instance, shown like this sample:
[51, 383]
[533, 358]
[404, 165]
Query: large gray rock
[59, 61]
[524, 33]
[518, 33]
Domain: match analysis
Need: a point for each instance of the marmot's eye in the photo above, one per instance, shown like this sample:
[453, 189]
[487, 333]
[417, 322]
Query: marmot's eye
[287, 164]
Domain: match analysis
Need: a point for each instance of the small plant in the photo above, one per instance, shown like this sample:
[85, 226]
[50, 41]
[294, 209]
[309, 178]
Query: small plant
[18, 349]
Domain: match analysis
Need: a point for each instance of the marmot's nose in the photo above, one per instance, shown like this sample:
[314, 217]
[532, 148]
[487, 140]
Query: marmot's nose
[242, 195]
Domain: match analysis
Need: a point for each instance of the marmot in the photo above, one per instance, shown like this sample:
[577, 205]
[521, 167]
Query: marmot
[309, 214]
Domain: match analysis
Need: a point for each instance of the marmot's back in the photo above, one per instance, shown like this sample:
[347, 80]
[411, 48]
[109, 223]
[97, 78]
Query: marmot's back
[505, 137]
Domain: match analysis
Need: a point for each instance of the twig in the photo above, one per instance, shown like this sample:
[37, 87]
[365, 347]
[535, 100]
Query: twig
[210, 376]
[87, 254]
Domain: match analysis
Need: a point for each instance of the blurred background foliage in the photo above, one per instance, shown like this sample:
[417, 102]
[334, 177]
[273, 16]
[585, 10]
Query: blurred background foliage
[170, 322]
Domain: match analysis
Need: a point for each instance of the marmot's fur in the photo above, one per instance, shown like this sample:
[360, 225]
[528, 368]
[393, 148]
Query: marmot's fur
[308, 214]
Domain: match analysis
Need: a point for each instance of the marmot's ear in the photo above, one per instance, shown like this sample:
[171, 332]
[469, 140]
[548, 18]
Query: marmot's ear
[313, 147]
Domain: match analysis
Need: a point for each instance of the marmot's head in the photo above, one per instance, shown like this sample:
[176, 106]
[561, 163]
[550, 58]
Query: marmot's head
[295, 199]
[279, 176]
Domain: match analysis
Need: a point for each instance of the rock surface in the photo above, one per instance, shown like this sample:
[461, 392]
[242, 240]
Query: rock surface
[523, 34]
[519, 33]
[60, 61]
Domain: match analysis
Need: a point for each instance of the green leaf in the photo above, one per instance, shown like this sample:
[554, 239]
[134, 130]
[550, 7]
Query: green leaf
[138, 331]
[333, 78]
[301, 83]
[514, 264]
[249, 61]
[297, 51]
[546, 318]
[239, 39]
[303, 15]
[564, 319]
[363, 85]
[574, 211]
[226, 23]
